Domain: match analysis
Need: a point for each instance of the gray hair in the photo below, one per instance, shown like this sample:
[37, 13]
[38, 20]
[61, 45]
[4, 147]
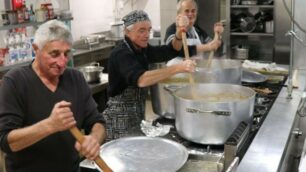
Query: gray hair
[51, 31]
[128, 28]
[179, 5]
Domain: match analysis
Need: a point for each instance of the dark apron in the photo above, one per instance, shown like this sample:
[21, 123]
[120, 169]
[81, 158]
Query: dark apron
[124, 112]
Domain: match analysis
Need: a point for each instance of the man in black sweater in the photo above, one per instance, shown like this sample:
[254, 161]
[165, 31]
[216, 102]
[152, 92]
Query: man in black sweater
[40, 102]
[129, 74]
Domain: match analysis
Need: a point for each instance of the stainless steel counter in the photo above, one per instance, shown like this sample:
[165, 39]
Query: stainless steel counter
[95, 48]
[98, 87]
[269, 146]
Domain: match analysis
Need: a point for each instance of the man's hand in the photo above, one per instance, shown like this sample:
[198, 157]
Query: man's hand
[214, 45]
[218, 28]
[186, 66]
[90, 147]
[182, 22]
[61, 117]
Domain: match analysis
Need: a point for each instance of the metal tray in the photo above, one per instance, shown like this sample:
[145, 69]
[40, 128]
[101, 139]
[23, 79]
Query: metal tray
[145, 154]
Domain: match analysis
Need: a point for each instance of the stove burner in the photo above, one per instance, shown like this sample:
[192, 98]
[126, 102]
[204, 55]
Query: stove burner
[260, 110]
[262, 101]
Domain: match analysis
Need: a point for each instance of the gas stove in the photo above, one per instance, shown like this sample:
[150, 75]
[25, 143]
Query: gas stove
[218, 158]
[226, 157]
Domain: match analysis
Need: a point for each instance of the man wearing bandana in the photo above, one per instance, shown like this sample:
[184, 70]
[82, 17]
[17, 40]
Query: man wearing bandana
[129, 75]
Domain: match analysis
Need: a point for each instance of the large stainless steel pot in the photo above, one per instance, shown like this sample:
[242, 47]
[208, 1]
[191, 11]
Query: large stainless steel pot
[221, 71]
[213, 114]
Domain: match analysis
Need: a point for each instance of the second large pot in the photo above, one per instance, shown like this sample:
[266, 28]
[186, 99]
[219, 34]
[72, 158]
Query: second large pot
[213, 114]
[221, 71]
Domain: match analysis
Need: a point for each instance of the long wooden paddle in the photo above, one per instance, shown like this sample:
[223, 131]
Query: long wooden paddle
[80, 138]
[211, 54]
[186, 52]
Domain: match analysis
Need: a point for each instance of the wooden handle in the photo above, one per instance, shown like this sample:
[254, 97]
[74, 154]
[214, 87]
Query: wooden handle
[211, 54]
[80, 138]
[184, 39]
[186, 52]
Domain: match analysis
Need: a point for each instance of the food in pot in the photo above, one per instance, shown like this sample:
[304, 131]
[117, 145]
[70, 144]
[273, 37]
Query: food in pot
[175, 80]
[217, 97]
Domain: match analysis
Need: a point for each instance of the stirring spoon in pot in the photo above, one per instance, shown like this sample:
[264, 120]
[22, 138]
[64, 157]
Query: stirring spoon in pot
[211, 54]
[186, 52]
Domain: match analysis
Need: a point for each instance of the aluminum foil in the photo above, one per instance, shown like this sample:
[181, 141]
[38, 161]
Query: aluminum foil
[151, 130]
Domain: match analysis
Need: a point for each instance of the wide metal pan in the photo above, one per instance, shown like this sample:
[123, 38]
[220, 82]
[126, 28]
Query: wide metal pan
[145, 154]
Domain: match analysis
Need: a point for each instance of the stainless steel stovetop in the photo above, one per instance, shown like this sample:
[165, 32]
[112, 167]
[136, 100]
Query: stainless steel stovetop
[218, 158]
[222, 158]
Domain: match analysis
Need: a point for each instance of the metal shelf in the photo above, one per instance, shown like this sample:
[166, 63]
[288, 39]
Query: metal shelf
[8, 27]
[251, 34]
[26, 24]
[252, 6]
[8, 67]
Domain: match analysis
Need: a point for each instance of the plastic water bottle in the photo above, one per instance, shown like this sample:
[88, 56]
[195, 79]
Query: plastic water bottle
[28, 47]
[14, 55]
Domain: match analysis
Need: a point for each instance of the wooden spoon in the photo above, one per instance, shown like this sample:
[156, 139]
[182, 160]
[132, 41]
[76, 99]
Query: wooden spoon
[211, 54]
[186, 52]
[80, 138]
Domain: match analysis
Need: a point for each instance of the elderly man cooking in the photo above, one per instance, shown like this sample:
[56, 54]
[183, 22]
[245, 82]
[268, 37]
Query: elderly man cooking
[129, 75]
[195, 35]
[40, 102]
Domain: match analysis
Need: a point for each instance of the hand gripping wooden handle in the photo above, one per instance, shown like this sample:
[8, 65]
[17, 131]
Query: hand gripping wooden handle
[80, 138]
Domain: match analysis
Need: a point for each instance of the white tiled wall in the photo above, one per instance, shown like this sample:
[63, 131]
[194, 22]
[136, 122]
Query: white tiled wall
[167, 14]
[96, 15]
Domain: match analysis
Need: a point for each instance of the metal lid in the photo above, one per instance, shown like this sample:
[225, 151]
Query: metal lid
[145, 154]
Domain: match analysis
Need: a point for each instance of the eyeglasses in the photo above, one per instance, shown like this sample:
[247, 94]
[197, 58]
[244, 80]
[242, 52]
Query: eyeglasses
[142, 31]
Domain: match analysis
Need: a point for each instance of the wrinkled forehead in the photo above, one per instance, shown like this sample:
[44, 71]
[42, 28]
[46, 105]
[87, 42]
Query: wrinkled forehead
[188, 5]
[61, 45]
[143, 25]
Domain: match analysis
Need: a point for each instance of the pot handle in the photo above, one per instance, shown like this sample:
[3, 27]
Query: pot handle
[173, 88]
[215, 112]
[94, 64]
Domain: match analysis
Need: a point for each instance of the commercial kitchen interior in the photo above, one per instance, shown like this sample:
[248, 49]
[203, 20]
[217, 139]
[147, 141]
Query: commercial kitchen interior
[285, 46]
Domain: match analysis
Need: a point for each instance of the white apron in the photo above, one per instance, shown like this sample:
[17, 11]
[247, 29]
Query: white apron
[190, 41]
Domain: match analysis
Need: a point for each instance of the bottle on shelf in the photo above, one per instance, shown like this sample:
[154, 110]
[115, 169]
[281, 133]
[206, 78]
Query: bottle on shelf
[31, 13]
